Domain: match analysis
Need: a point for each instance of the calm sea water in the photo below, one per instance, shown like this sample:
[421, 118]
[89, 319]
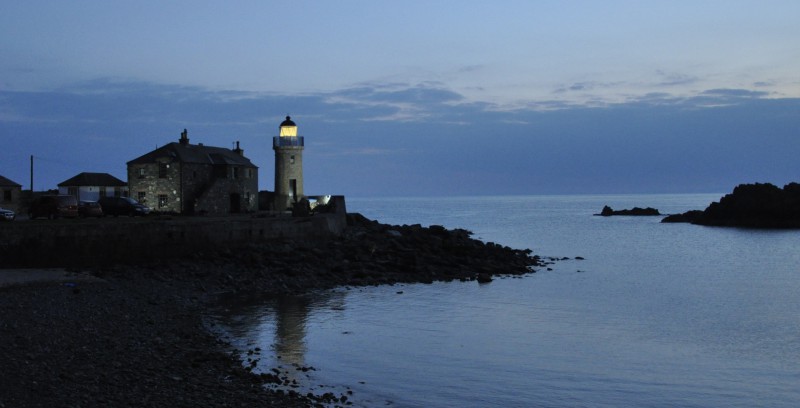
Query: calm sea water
[656, 315]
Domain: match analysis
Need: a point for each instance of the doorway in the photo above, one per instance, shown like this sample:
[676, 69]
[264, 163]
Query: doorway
[236, 203]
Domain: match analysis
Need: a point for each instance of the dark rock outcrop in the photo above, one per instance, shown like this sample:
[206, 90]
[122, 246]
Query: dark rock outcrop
[608, 211]
[750, 205]
[688, 216]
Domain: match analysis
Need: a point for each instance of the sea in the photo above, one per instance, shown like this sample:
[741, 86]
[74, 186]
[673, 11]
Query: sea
[653, 315]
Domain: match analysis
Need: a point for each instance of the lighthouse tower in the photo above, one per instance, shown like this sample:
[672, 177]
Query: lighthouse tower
[288, 165]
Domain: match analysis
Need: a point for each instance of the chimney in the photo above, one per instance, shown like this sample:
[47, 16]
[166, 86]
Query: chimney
[184, 140]
[237, 150]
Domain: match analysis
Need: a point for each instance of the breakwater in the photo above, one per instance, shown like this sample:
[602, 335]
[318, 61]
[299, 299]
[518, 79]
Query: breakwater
[92, 242]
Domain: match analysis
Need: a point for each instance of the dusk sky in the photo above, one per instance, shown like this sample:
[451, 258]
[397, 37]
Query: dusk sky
[413, 98]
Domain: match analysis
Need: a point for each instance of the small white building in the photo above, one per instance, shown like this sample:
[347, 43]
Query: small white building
[92, 186]
[11, 194]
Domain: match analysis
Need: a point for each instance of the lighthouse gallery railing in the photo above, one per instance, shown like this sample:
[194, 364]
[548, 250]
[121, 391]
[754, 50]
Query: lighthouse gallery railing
[287, 141]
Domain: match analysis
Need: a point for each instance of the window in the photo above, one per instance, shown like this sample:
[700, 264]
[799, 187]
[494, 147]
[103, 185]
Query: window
[162, 200]
[162, 170]
[291, 159]
[235, 171]
[73, 191]
[102, 191]
[141, 172]
[141, 197]
[6, 195]
[117, 193]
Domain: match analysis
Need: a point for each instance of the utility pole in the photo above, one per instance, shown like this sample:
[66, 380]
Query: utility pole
[31, 174]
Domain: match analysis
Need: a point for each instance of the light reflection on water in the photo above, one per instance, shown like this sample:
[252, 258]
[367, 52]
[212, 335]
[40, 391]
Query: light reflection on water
[657, 315]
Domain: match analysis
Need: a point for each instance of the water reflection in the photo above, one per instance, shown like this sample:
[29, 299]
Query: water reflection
[291, 315]
[272, 331]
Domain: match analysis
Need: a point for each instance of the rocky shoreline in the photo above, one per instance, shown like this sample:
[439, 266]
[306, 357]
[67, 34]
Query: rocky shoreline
[136, 337]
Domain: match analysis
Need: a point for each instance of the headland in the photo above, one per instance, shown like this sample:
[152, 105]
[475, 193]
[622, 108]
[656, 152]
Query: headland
[758, 205]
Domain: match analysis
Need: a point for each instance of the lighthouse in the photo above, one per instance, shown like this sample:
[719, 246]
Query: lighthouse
[288, 165]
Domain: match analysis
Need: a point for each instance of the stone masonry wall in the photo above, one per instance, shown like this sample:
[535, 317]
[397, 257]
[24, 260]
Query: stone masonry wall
[123, 240]
[145, 178]
[216, 195]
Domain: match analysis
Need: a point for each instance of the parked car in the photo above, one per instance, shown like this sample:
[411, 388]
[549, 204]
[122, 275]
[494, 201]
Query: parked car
[90, 209]
[7, 215]
[54, 206]
[122, 206]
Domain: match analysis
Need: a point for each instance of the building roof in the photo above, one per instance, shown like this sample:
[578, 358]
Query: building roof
[93, 179]
[288, 122]
[199, 154]
[4, 182]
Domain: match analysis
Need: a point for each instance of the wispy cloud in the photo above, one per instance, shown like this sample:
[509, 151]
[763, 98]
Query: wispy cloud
[670, 79]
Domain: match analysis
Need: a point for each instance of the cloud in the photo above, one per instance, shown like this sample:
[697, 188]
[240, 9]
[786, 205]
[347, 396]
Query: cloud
[586, 86]
[400, 138]
[471, 68]
[734, 93]
[675, 79]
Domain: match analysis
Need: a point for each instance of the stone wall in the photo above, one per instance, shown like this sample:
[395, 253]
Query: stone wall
[191, 188]
[215, 198]
[107, 241]
[145, 178]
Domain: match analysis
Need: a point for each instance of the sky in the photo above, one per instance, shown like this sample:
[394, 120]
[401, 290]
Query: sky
[413, 98]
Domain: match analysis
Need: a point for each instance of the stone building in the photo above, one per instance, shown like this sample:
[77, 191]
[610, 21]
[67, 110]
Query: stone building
[91, 186]
[12, 194]
[194, 179]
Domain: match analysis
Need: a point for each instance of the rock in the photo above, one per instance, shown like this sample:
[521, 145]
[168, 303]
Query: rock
[688, 216]
[750, 205]
[636, 211]
[484, 278]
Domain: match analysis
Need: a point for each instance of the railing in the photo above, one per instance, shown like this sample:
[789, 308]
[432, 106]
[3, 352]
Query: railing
[286, 141]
